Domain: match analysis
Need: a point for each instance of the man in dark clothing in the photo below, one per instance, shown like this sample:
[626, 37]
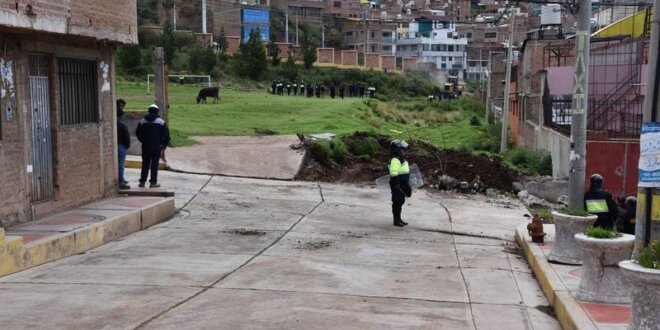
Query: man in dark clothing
[399, 179]
[627, 216]
[155, 137]
[599, 201]
[332, 90]
[341, 90]
[123, 142]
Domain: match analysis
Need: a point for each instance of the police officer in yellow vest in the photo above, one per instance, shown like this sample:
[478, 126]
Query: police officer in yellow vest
[399, 179]
[599, 201]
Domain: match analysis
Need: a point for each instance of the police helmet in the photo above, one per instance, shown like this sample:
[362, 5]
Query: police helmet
[153, 108]
[631, 202]
[596, 180]
[401, 144]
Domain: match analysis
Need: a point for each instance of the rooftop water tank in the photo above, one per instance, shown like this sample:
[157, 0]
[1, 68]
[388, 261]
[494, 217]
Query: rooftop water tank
[383, 16]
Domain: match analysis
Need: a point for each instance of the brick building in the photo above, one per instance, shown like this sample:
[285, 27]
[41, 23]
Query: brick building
[57, 124]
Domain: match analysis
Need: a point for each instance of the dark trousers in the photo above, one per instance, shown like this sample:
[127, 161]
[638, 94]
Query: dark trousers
[398, 199]
[150, 159]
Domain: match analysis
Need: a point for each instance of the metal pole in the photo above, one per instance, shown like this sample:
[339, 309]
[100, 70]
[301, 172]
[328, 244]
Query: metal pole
[204, 16]
[286, 28]
[490, 76]
[296, 29]
[578, 142]
[322, 36]
[507, 88]
[646, 231]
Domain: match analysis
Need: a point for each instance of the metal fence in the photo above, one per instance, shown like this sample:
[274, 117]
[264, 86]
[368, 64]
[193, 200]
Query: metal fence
[617, 119]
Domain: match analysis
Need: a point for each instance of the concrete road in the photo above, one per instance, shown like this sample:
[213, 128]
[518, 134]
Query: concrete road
[259, 254]
[268, 157]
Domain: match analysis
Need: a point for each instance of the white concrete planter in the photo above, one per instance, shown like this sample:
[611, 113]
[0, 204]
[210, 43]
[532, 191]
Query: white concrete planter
[602, 280]
[645, 291]
[565, 250]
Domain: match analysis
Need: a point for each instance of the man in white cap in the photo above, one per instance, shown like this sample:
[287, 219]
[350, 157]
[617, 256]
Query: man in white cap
[155, 137]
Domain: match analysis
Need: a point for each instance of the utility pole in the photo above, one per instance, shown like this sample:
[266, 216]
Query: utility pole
[322, 35]
[159, 81]
[507, 88]
[578, 141]
[650, 231]
[297, 30]
[286, 28]
[204, 16]
[174, 16]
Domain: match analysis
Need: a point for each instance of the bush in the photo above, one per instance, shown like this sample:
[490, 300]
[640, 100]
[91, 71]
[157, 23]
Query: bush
[329, 151]
[598, 232]
[474, 121]
[365, 147]
[649, 257]
[531, 161]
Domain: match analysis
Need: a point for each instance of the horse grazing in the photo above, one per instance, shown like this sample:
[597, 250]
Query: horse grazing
[208, 92]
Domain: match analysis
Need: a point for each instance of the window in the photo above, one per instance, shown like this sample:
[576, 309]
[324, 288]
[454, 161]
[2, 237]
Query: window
[469, 35]
[313, 11]
[443, 58]
[450, 48]
[78, 97]
[337, 4]
[449, 35]
[450, 58]
[349, 33]
[490, 35]
[443, 66]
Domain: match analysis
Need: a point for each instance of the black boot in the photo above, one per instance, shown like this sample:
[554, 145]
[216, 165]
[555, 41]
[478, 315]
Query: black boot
[398, 223]
[403, 222]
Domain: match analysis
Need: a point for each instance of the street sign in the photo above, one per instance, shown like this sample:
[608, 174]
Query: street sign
[649, 157]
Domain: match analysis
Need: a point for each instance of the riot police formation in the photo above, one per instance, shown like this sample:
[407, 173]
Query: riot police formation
[283, 87]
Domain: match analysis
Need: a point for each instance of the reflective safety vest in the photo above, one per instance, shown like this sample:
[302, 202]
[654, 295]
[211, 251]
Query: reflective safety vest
[396, 167]
[595, 206]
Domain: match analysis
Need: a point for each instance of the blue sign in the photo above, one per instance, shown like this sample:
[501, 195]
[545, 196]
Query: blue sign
[255, 16]
[264, 32]
[649, 155]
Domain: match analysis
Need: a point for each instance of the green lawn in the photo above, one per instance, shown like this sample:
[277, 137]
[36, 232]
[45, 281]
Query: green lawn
[251, 112]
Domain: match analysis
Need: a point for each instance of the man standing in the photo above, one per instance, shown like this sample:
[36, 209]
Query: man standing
[599, 201]
[341, 90]
[123, 142]
[155, 137]
[399, 179]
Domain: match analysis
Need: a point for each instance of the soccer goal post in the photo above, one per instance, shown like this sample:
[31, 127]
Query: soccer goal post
[178, 76]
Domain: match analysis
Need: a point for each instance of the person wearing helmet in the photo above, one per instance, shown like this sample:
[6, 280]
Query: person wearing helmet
[627, 216]
[399, 179]
[155, 136]
[599, 201]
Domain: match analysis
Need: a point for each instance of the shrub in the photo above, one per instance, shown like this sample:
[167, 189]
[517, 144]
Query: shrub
[598, 232]
[364, 147]
[531, 161]
[474, 121]
[649, 257]
[329, 151]
[573, 212]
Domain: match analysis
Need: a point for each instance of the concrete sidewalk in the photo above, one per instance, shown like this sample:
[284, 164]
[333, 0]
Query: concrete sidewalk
[259, 254]
[560, 284]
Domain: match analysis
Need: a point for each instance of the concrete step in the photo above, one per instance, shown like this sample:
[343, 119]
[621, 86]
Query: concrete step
[76, 231]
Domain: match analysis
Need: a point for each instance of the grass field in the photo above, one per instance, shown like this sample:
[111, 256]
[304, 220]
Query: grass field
[258, 112]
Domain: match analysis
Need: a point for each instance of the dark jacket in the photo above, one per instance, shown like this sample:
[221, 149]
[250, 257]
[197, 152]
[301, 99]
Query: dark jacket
[123, 135]
[153, 132]
[605, 219]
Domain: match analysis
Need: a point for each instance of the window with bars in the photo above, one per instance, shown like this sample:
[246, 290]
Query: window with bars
[78, 91]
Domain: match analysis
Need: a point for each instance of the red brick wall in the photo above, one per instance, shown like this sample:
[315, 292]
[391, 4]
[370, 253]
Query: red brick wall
[325, 55]
[388, 62]
[372, 60]
[409, 63]
[349, 57]
[99, 19]
[84, 156]
[204, 39]
[234, 42]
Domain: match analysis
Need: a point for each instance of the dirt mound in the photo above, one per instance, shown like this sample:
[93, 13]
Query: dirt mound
[477, 170]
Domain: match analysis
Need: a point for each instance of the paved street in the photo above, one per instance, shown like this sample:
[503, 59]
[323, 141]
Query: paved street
[259, 254]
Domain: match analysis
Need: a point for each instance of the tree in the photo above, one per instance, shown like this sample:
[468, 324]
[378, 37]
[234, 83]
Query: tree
[223, 44]
[252, 57]
[202, 60]
[130, 60]
[308, 49]
[290, 66]
[168, 43]
[273, 52]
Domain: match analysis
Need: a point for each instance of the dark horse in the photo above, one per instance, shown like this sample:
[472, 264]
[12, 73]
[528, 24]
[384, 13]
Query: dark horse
[208, 92]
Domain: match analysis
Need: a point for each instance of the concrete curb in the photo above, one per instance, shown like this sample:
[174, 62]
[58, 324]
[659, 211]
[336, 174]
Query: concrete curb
[569, 312]
[16, 256]
[136, 163]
